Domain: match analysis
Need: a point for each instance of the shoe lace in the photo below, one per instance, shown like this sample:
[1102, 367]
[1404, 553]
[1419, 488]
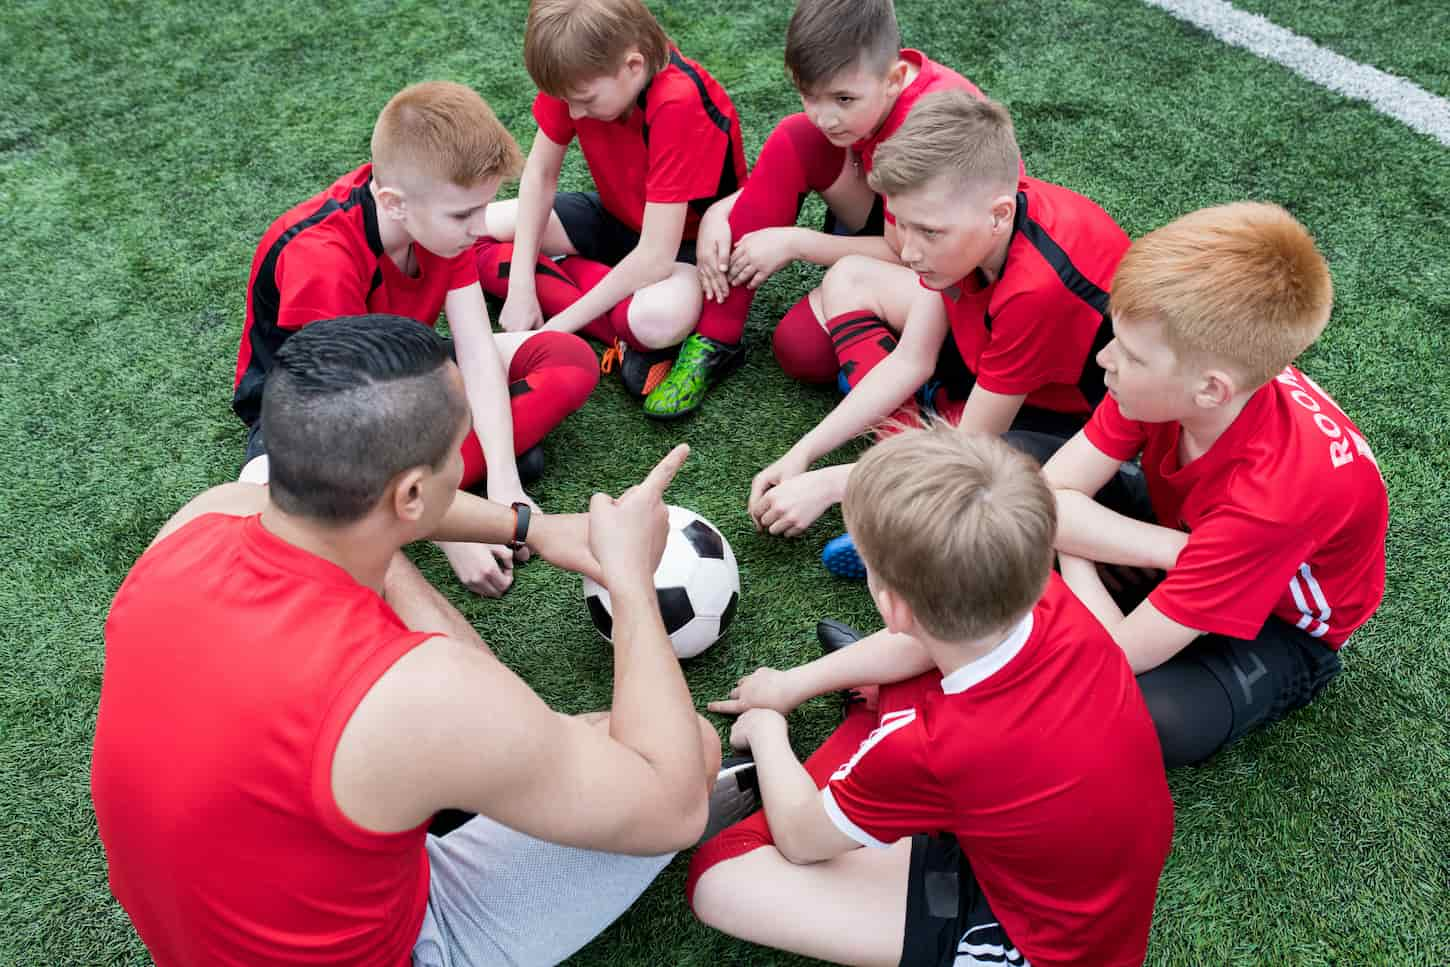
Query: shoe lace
[613, 356]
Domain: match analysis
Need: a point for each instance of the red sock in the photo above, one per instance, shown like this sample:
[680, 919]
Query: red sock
[558, 286]
[796, 159]
[619, 321]
[550, 376]
[802, 346]
[861, 340]
[753, 832]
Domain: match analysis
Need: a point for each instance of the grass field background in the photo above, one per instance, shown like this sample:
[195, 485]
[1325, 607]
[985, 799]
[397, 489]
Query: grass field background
[144, 147]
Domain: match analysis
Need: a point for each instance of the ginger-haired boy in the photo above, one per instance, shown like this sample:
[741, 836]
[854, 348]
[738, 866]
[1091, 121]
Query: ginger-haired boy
[1011, 798]
[992, 320]
[857, 85]
[662, 142]
[395, 236]
[1263, 502]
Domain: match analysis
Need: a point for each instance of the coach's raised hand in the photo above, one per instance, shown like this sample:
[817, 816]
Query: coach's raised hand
[627, 534]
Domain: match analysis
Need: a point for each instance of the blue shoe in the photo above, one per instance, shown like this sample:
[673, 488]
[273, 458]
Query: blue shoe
[842, 383]
[841, 559]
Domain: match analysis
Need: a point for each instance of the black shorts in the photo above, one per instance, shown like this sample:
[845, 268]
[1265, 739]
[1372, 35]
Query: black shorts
[875, 222]
[948, 920]
[598, 235]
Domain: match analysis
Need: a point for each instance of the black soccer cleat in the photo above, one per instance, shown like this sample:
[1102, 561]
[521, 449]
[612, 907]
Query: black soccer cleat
[531, 464]
[735, 796]
[835, 635]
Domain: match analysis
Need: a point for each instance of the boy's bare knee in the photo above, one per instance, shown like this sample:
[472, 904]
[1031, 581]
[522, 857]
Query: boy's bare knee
[500, 218]
[663, 314]
[715, 896]
[843, 287]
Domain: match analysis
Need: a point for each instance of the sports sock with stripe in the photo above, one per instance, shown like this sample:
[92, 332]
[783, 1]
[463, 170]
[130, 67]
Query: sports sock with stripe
[802, 346]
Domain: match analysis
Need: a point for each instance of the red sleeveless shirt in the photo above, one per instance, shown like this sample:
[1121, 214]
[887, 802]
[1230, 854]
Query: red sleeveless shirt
[233, 662]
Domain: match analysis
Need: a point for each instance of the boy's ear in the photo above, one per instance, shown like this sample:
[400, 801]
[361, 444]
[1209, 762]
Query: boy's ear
[391, 201]
[895, 612]
[1004, 209]
[633, 62]
[405, 494]
[896, 77]
[1216, 387]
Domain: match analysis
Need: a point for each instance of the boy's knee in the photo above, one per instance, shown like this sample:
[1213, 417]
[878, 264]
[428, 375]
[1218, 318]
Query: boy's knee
[499, 219]
[665, 315]
[843, 286]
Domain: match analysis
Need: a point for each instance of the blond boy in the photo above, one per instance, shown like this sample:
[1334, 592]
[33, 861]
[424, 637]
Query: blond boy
[1010, 799]
[395, 236]
[994, 314]
[1264, 504]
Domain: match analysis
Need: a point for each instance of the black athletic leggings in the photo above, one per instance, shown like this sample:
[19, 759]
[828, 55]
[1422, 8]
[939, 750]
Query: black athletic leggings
[1218, 688]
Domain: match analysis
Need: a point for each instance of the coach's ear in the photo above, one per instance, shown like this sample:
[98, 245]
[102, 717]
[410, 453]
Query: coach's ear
[408, 494]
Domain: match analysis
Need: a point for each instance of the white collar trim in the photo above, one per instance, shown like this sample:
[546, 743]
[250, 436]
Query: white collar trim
[980, 669]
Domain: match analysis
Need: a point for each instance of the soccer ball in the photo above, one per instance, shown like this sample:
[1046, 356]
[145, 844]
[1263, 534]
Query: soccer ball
[697, 582]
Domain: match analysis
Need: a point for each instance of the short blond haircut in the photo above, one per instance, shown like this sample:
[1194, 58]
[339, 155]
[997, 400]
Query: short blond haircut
[572, 42]
[959, 525]
[953, 134]
[1241, 284]
[444, 131]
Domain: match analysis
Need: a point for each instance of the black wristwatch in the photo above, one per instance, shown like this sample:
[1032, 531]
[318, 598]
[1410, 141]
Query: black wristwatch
[522, 513]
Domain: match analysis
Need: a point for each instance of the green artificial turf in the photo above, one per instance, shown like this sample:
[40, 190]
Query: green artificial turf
[144, 147]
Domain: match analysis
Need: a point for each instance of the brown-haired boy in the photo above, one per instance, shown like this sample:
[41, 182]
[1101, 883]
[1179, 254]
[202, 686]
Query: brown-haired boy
[1264, 503]
[1013, 793]
[857, 85]
[998, 308]
[662, 141]
[395, 236]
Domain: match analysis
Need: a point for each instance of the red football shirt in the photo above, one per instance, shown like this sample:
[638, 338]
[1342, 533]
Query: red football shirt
[1041, 759]
[1286, 514]
[324, 259]
[681, 143]
[1038, 328]
[233, 662]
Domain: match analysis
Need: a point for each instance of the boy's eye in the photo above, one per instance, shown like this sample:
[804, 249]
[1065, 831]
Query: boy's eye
[844, 99]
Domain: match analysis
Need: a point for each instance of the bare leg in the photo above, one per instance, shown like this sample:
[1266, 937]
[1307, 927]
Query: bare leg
[663, 314]
[420, 605]
[859, 282]
[502, 216]
[257, 471]
[847, 910]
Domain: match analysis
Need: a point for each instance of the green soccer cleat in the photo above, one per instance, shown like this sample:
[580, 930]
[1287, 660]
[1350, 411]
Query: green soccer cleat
[702, 363]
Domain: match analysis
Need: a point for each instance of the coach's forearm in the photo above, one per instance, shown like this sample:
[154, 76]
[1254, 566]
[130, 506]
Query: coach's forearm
[652, 712]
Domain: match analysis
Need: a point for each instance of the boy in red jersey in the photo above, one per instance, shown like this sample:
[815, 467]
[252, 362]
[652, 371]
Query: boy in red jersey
[662, 141]
[1263, 502]
[1011, 796]
[287, 702]
[857, 85]
[993, 321]
[395, 236]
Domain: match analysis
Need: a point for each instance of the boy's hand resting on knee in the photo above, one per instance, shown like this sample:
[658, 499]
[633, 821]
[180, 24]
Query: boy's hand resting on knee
[764, 688]
[761, 254]
[756, 726]
[520, 314]
[712, 255]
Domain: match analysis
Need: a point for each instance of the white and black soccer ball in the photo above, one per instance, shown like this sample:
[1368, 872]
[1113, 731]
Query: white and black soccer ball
[697, 582]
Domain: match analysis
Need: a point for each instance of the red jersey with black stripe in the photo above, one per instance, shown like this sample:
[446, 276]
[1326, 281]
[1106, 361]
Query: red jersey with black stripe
[323, 259]
[1286, 514]
[234, 660]
[1040, 758]
[1037, 329]
[681, 143]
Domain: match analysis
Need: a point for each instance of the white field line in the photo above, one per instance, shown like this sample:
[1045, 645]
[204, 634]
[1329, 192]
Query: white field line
[1400, 99]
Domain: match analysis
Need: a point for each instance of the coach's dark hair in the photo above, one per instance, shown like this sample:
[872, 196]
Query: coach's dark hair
[826, 37]
[351, 403]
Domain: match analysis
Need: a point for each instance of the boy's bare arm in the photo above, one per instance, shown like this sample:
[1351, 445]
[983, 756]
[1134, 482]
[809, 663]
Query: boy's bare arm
[1148, 637]
[758, 255]
[486, 384]
[1089, 530]
[537, 188]
[878, 659]
[988, 412]
[887, 386]
[651, 261]
[799, 824]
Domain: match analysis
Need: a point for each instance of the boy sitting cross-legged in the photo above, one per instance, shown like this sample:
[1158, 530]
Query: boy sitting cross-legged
[395, 236]
[857, 85]
[993, 320]
[1010, 798]
[1263, 502]
[662, 142]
